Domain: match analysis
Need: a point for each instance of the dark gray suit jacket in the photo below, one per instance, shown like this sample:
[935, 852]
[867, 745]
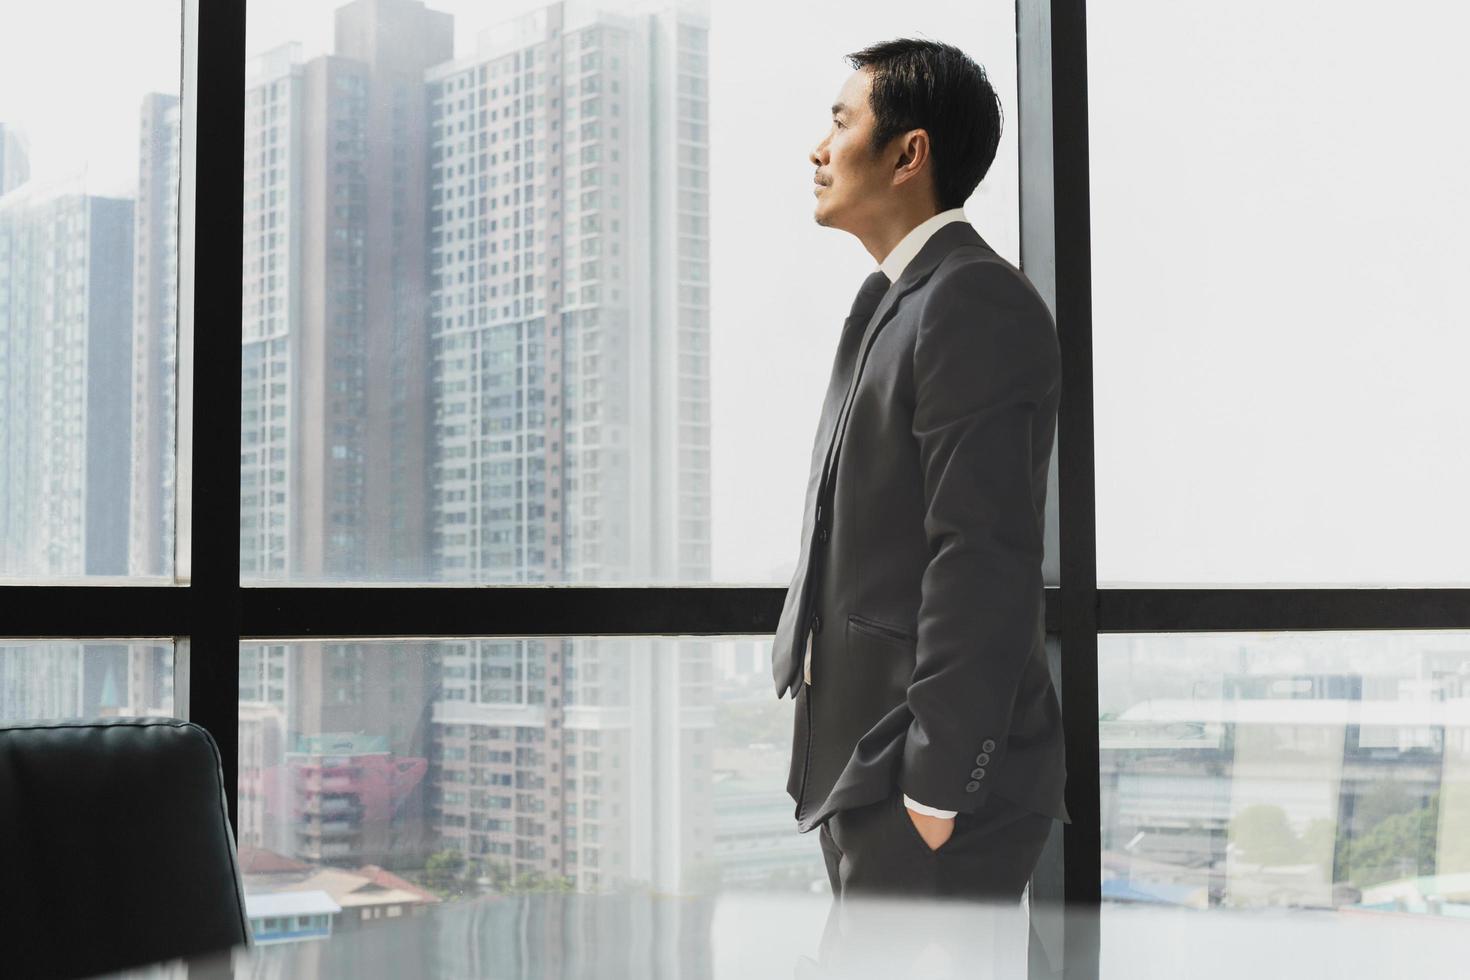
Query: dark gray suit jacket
[920, 568]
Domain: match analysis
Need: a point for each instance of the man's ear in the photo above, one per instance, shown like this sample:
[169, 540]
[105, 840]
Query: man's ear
[913, 155]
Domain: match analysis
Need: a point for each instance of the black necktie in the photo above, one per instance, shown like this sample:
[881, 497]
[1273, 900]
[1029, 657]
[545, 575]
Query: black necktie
[789, 643]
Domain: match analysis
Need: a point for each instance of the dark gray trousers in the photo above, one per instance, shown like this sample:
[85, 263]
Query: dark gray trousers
[876, 850]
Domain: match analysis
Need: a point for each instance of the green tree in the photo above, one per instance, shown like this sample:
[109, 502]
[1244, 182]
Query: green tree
[1401, 845]
[1383, 799]
[442, 871]
[535, 882]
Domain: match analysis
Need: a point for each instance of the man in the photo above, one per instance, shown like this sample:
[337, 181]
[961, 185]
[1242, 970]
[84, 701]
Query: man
[927, 742]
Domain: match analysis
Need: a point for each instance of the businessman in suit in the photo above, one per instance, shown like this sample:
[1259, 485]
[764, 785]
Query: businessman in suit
[927, 739]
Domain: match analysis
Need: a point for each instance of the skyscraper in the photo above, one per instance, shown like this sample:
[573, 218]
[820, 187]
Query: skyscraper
[65, 337]
[334, 430]
[155, 338]
[396, 41]
[569, 326]
[334, 426]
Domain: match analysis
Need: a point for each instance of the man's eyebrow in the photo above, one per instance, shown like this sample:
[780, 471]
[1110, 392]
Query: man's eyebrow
[838, 107]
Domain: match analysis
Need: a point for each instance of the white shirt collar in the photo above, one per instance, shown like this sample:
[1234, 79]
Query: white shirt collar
[908, 246]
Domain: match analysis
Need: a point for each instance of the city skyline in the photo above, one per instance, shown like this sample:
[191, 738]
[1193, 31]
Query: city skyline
[536, 319]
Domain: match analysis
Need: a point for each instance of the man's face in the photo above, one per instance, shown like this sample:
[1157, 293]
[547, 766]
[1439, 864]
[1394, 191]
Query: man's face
[851, 187]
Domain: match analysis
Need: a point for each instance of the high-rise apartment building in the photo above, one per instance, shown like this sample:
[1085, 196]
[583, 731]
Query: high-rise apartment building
[306, 711]
[270, 324]
[395, 41]
[568, 260]
[66, 261]
[66, 264]
[334, 428]
[155, 338]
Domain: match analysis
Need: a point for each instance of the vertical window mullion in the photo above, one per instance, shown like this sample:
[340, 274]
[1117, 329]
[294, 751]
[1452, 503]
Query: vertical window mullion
[1072, 254]
[214, 128]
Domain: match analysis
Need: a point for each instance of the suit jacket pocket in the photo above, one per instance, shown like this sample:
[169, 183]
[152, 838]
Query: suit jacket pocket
[878, 668]
[882, 630]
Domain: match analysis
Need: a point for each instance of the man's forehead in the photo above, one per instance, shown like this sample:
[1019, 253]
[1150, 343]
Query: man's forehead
[853, 96]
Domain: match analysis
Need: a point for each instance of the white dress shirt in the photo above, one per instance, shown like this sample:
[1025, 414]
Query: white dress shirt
[893, 265]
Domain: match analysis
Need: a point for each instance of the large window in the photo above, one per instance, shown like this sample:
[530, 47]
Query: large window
[1274, 228]
[514, 764]
[499, 323]
[89, 187]
[528, 295]
[1317, 770]
[1277, 239]
[499, 328]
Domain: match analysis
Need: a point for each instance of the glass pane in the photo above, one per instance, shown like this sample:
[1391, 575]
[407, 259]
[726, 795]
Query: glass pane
[89, 164]
[490, 253]
[451, 769]
[443, 799]
[1301, 770]
[42, 680]
[1279, 331]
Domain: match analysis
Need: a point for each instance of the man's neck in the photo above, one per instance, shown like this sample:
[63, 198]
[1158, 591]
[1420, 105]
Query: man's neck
[881, 241]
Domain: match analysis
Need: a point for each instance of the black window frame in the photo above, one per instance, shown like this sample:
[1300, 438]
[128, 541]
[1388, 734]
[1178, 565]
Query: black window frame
[214, 612]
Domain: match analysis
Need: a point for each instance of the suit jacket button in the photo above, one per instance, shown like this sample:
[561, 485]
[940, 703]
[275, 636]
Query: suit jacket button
[988, 745]
[816, 624]
[822, 534]
[982, 758]
[971, 786]
[977, 773]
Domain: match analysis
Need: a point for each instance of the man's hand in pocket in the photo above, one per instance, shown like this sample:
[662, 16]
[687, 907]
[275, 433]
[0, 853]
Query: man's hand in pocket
[934, 830]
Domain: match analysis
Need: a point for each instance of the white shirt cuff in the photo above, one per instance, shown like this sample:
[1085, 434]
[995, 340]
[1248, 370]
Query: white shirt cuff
[933, 811]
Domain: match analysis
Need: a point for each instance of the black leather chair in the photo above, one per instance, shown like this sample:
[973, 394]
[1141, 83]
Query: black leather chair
[115, 847]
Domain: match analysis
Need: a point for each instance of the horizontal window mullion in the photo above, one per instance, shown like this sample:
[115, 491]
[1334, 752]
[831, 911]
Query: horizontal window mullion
[84, 611]
[557, 610]
[149, 611]
[348, 611]
[1238, 610]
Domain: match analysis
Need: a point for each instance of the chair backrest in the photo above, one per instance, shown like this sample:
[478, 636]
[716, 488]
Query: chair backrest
[115, 847]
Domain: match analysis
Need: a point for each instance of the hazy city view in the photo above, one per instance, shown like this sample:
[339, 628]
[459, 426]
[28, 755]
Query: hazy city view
[477, 329]
[1311, 770]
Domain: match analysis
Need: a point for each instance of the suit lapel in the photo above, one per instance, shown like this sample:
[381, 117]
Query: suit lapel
[940, 244]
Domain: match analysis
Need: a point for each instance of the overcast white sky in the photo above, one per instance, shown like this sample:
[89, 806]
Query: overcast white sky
[1279, 251]
[1278, 208]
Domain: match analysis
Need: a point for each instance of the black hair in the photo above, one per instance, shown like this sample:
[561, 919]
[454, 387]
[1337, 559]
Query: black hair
[935, 87]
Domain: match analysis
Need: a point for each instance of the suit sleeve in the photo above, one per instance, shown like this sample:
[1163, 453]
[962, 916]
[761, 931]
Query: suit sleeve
[986, 366]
